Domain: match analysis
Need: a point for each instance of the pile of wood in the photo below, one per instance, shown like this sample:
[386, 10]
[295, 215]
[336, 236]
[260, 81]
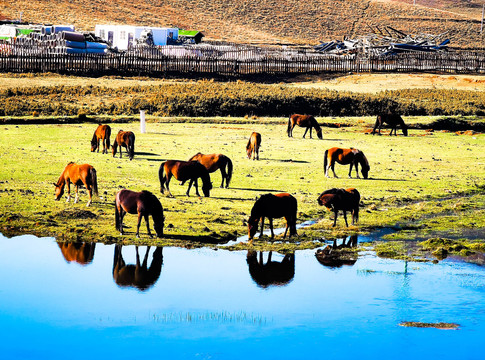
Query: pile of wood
[388, 41]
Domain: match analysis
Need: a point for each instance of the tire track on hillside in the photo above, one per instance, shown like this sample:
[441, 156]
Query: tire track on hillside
[359, 19]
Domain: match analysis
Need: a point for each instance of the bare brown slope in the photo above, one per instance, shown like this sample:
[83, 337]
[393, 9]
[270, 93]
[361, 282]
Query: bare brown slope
[265, 21]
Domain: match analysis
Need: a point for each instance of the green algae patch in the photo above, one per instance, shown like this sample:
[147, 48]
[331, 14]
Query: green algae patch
[398, 250]
[440, 325]
[442, 247]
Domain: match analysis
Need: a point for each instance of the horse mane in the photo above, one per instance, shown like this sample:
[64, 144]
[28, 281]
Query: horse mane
[315, 123]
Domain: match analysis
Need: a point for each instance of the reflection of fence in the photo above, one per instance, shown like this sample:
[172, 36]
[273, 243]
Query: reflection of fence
[228, 60]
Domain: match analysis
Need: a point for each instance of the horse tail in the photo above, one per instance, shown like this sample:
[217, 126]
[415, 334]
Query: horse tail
[229, 172]
[131, 153]
[94, 180]
[117, 214]
[325, 161]
[107, 135]
[161, 177]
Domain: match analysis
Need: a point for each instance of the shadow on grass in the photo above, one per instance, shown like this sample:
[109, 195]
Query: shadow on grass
[247, 189]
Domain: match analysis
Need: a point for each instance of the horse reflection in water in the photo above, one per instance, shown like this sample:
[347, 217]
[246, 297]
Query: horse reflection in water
[80, 252]
[271, 272]
[138, 276]
[336, 255]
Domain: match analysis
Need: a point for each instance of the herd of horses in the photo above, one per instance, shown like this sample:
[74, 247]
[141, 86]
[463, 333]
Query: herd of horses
[270, 206]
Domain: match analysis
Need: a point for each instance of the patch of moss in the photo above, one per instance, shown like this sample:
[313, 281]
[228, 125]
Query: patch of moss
[440, 325]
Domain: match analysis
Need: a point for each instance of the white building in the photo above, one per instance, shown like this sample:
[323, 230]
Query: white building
[124, 36]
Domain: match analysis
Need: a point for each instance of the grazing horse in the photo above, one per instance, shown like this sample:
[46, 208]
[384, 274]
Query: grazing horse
[213, 162]
[341, 199]
[346, 156]
[78, 175]
[183, 171]
[272, 272]
[139, 276]
[103, 133]
[80, 252]
[306, 121]
[273, 206]
[143, 203]
[254, 143]
[125, 139]
[393, 120]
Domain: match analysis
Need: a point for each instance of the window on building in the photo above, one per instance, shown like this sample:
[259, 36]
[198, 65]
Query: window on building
[122, 35]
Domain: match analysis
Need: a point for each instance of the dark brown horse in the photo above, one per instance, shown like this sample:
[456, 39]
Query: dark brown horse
[80, 252]
[125, 139]
[393, 120]
[103, 133]
[254, 143]
[140, 275]
[143, 203]
[78, 175]
[183, 171]
[212, 162]
[341, 199]
[350, 156]
[306, 121]
[272, 272]
[273, 206]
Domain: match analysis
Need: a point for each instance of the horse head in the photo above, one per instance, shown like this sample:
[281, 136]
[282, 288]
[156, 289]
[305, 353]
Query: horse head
[364, 165]
[94, 145]
[252, 227]
[158, 225]
[59, 191]
[319, 133]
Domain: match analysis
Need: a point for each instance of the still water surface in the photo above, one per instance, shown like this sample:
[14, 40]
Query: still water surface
[90, 303]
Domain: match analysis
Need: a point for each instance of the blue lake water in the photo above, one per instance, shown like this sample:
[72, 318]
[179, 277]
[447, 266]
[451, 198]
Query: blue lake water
[87, 302]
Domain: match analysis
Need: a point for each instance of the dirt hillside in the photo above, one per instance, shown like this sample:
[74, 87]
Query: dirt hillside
[267, 21]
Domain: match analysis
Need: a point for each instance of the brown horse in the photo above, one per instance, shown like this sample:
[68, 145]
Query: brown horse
[125, 139]
[139, 276]
[143, 203]
[393, 120]
[341, 199]
[213, 162]
[80, 252]
[272, 272]
[183, 171]
[103, 133]
[78, 175]
[254, 143]
[350, 156]
[273, 206]
[306, 121]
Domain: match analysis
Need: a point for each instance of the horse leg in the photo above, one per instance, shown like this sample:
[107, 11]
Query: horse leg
[345, 217]
[196, 186]
[262, 227]
[257, 152]
[332, 165]
[350, 170]
[148, 225]
[224, 176]
[335, 218]
[76, 199]
[138, 224]
[121, 216]
[167, 181]
[288, 219]
[311, 129]
[68, 190]
[271, 227]
[306, 130]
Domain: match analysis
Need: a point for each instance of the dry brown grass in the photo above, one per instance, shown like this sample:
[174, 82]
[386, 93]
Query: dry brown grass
[266, 21]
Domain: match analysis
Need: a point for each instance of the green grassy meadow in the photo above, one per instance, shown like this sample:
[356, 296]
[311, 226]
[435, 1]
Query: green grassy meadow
[425, 185]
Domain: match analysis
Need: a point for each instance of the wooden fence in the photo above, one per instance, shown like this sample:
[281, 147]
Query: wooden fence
[228, 60]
